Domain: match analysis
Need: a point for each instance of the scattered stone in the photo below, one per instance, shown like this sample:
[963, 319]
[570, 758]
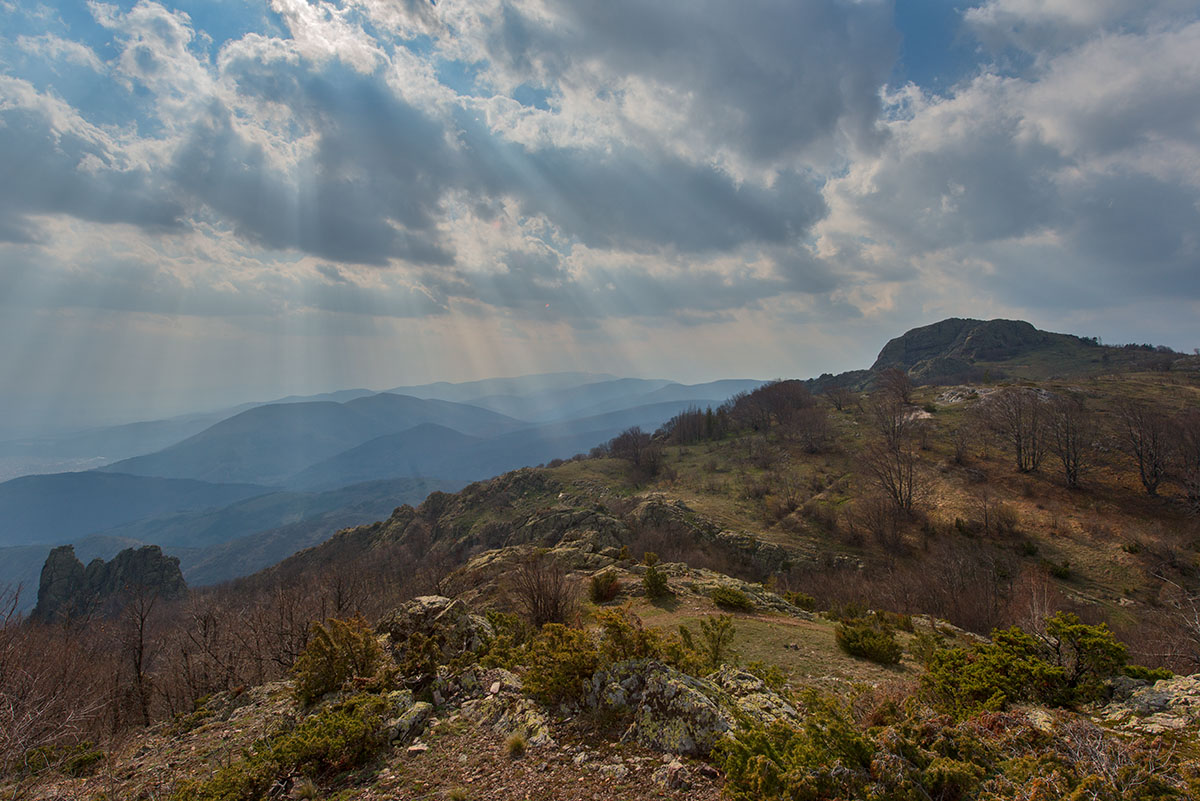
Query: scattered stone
[673, 776]
[418, 748]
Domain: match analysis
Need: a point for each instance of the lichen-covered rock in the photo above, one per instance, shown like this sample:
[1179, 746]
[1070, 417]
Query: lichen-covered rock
[447, 622]
[682, 714]
[1167, 705]
[410, 723]
[679, 714]
[753, 696]
[506, 713]
[673, 776]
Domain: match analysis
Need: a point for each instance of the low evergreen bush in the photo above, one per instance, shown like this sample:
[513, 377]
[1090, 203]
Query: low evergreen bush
[869, 638]
[732, 598]
[604, 587]
[338, 651]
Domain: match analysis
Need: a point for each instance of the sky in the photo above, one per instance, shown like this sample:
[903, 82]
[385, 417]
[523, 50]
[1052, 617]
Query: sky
[203, 203]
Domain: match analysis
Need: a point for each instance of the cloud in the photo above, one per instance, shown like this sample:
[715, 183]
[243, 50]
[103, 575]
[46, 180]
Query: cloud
[1073, 184]
[55, 162]
[529, 165]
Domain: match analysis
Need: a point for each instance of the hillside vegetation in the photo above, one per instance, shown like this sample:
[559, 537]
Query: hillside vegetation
[886, 589]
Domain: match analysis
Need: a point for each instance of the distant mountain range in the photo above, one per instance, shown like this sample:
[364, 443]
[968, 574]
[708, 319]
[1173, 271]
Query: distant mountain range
[229, 493]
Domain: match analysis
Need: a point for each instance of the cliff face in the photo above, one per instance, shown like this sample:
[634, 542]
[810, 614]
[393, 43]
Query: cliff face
[68, 589]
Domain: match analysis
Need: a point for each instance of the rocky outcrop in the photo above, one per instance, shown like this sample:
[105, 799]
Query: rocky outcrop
[681, 714]
[446, 623]
[69, 590]
[1166, 705]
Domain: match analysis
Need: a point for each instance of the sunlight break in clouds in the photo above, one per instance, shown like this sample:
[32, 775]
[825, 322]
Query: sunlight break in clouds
[297, 196]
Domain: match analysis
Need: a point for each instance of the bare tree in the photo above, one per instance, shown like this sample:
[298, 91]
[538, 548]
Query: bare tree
[893, 471]
[810, 427]
[840, 396]
[961, 438]
[1147, 438]
[1019, 415]
[639, 449]
[895, 382]
[50, 688]
[1072, 430]
[543, 590]
[890, 416]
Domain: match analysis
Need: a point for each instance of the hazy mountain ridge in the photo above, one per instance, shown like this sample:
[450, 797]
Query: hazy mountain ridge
[60, 507]
[270, 443]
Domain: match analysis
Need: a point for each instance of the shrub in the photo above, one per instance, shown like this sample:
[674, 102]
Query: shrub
[560, 660]
[826, 757]
[916, 754]
[654, 581]
[77, 760]
[716, 636]
[1086, 654]
[801, 599]
[511, 634]
[1146, 673]
[732, 598]
[622, 636]
[604, 587]
[338, 651]
[773, 676]
[869, 639]
[990, 676]
[336, 739]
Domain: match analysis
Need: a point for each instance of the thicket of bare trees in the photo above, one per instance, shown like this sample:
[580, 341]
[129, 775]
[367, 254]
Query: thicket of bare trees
[1188, 457]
